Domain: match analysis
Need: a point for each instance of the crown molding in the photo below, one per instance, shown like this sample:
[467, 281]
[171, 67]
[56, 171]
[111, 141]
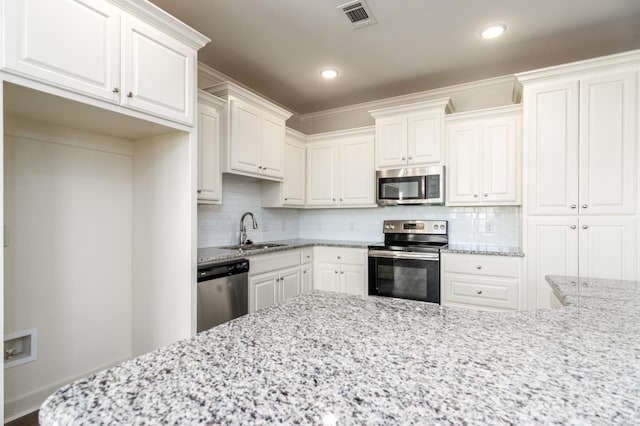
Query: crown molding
[228, 90]
[367, 131]
[443, 92]
[439, 104]
[153, 15]
[295, 134]
[603, 63]
[507, 109]
[212, 100]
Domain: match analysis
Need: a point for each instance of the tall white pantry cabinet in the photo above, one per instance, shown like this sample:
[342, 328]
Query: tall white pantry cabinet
[581, 171]
[98, 186]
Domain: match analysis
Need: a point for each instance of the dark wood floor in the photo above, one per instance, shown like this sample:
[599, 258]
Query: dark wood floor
[30, 419]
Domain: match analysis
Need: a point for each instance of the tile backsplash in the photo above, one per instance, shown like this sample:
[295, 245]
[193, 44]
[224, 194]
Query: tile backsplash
[219, 224]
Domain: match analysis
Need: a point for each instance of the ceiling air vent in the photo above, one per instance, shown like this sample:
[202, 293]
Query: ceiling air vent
[358, 13]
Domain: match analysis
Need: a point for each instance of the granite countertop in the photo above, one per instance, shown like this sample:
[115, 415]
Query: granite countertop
[325, 357]
[483, 249]
[217, 254]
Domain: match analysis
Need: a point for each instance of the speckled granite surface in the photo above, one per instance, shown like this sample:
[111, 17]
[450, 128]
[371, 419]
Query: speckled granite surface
[383, 361]
[216, 254]
[483, 249]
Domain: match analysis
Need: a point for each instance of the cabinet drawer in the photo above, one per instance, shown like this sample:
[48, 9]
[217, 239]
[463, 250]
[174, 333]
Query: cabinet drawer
[352, 256]
[306, 255]
[499, 293]
[271, 262]
[481, 265]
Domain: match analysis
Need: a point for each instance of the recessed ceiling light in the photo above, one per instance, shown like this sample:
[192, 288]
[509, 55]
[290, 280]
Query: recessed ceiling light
[329, 73]
[493, 31]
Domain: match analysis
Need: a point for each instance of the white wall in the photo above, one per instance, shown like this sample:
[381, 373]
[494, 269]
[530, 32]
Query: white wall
[68, 265]
[220, 224]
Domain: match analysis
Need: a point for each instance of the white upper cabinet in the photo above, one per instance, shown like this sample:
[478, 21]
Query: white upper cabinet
[210, 110]
[254, 133]
[98, 50]
[484, 152]
[410, 135]
[581, 145]
[80, 52]
[607, 151]
[291, 191]
[340, 169]
[157, 72]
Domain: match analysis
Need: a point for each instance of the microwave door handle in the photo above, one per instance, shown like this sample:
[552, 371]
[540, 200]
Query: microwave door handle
[424, 187]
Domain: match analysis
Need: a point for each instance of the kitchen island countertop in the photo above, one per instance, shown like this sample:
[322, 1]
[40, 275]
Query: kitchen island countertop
[322, 357]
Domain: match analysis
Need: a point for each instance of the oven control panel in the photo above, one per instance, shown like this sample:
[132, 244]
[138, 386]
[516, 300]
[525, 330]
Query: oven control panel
[438, 227]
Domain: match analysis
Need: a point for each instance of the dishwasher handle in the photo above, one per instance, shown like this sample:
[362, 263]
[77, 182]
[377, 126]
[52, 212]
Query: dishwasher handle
[223, 269]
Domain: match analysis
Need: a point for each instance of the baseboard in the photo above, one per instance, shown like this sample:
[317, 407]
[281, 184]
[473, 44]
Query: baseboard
[28, 403]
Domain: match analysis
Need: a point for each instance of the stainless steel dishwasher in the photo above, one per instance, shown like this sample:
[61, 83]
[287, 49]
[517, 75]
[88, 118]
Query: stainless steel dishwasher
[223, 292]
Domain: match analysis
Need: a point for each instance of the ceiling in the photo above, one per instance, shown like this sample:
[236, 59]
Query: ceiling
[278, 47]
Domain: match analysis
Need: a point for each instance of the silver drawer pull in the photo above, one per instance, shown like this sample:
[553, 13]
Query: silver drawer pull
[342, 272]
[478, 267]
[573, 227]
[585, 226]
[335, 272]
[116, 90]
[584, 206]
[573, 206]
[130, 95]
[479, 292]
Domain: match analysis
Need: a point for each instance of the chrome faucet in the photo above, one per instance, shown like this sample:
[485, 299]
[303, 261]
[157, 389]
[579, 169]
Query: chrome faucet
[243, 229]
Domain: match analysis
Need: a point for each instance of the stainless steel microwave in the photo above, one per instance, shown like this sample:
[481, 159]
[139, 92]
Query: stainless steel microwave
[423, 185]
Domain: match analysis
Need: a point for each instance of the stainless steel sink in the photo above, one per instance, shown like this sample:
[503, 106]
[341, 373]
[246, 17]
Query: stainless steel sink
[247, 247]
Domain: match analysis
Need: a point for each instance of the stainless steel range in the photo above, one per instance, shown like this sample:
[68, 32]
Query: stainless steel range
[407, 264]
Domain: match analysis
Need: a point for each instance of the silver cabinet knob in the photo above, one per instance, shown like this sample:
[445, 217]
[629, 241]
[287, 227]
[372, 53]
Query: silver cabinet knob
[338, 257]
[475, 195]
[573, 227]
[335, 272]
[585, 226]
[573, 206]
[479, 291]
[342, 272]
[410, 158]
[130, 95]
[304, 272]
[340, 199]
[286, 199]
[486, 194]
[584, 206]
[333, 199]
[116, 90]
[478, 267]
[403, 159]
[199, 191]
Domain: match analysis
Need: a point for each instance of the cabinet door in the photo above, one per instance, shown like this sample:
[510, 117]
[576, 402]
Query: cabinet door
[356, 172]
[463, 171]
[290, 283]
[608, 143]
[322, 173]
[158, 72]
[327, 277]
[608, 247]
[424, 143]
[209, 175]
[263, 291]
[244, 150]
[294, 174]
[551, 111]
[501, 161]
[272, 147]
[70, 43]
[306, 278]
[552, 249]
[391, 142]
[352, 279]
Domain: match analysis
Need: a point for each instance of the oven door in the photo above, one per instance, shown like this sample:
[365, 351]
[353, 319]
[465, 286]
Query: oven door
[405, 275]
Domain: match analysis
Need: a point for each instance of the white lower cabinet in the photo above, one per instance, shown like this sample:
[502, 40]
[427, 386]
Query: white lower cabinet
[341, 270]
[583, 246]
[278, 276]
[481, 282]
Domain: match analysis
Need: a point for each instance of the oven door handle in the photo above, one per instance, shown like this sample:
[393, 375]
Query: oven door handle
[389, 254]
